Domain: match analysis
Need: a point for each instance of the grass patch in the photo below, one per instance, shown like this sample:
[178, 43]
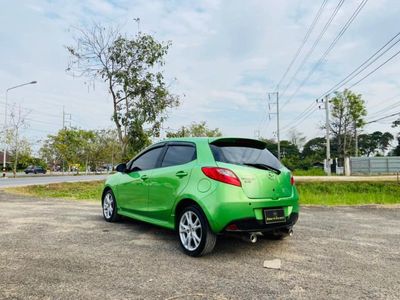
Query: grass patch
[90, 190]
[311, 193]
[349, 193]
[310, 172]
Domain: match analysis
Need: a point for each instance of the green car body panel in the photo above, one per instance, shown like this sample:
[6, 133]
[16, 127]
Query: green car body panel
[154, 195]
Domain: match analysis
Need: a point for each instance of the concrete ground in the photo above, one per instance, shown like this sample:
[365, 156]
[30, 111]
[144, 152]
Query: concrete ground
[55, 249]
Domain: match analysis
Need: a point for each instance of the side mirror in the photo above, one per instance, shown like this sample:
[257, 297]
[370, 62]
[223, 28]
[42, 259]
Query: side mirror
[135, 169]
[121, 168]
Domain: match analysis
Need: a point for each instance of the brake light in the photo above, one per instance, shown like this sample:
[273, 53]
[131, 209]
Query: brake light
[222, 175]
[291, 180]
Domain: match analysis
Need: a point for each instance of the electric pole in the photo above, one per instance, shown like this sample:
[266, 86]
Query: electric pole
[356, 137]
[328, 143]
[64, 120]
[327, 127]
[276, 94]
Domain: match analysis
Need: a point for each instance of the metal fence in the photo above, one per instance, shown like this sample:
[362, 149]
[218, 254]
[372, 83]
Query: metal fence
[375, 165]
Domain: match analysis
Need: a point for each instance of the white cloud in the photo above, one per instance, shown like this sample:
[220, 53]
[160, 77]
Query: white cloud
[226, 56]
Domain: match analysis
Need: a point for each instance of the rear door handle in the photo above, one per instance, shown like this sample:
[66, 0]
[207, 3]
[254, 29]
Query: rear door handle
[144, 177]
[181, 174]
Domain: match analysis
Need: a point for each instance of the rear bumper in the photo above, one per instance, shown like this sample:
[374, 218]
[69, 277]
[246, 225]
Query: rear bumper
[254, 225]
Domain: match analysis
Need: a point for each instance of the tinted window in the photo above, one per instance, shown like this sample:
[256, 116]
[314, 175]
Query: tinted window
[244, 154]
[148, 160]
[178, 155]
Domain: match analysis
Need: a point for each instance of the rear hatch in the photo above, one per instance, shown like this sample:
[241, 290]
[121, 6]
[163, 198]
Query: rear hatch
[261, 174]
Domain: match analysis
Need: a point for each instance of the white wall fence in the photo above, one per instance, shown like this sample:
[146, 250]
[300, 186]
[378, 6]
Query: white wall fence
[375, 165]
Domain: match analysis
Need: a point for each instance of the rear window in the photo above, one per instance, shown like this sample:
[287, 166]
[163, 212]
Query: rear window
[243, 152]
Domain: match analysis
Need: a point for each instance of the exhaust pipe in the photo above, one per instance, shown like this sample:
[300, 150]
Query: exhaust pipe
[251, 237]
[290, 232]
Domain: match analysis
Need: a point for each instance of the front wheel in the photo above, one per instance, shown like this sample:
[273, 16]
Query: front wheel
[110, 207]
[195, 235]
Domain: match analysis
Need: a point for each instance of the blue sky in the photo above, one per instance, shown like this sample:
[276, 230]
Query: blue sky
[226, 56]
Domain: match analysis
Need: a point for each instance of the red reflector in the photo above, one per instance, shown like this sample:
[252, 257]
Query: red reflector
[222, 175]
[232, 227]
[292, 180]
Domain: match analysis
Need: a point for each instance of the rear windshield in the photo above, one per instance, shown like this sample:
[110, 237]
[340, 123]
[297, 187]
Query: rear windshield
[241, 153]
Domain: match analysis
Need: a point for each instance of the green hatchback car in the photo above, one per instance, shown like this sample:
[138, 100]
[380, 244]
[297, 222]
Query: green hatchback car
[204, 187]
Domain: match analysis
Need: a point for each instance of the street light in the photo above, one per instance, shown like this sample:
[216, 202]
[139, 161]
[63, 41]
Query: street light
[5, 122]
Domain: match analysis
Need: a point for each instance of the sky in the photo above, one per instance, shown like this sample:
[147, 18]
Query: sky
[226, 56]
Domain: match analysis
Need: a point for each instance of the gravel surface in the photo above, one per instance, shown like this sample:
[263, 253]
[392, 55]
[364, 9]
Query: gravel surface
[58, 249]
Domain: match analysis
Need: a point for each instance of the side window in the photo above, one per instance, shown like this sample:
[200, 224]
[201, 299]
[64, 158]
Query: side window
[148, 160]
[178, 155]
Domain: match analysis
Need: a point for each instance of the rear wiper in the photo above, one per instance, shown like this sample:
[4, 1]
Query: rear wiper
[265, 167]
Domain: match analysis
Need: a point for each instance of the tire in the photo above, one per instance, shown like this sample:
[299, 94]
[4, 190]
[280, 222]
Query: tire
[109, 207]
[195, 235]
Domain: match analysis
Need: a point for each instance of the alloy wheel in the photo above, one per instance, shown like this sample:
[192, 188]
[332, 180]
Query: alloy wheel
[108, 206]
[190, 230]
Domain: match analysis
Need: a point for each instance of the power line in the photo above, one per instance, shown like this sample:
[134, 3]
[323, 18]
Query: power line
[328, 50]
[376, 69]
[322, 33]
[385, 117]
[307, 35]
[364, 65]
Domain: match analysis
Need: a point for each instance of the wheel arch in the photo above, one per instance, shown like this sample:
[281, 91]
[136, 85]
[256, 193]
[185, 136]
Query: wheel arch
[185, 202]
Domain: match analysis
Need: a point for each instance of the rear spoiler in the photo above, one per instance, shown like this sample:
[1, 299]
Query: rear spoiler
[238, 142]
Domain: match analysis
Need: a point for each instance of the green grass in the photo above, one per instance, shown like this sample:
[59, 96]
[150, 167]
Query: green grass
[348, 193]
[90, 190]
[311, 193]
[310, 172]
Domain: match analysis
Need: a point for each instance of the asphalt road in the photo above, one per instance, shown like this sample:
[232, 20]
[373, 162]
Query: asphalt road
[35, 180]
[64, 250]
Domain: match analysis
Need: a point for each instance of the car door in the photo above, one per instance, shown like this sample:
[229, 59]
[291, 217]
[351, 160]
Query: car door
[133, 191]
[168, 181]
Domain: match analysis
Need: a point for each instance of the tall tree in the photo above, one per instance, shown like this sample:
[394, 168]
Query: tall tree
[195, 129]
[369, 144]
[15, 142]
[347, 117]
[297, 138]
[131, 69]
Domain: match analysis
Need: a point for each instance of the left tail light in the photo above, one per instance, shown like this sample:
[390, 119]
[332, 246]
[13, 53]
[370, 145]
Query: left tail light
[292, 180]
[222, 175]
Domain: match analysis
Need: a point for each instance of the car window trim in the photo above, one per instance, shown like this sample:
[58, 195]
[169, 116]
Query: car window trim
[156, 146]
[178, 143]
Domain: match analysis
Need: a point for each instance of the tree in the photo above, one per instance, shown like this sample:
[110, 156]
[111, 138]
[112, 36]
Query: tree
[315, 149]
[77, 147]
[347, 117]
[371, 143]
[296, 138]
[195, 129]
[131, 68]
[16, 144]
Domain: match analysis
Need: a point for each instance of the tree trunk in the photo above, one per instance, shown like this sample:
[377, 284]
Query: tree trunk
[115, 118]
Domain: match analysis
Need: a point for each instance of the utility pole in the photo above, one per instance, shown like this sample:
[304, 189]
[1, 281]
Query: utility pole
[356, 137]
[64, 121]
[276, 94]
[327, 127]
[328, 143]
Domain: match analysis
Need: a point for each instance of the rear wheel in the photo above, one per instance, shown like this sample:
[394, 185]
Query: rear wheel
[195, 235]
[110, 207]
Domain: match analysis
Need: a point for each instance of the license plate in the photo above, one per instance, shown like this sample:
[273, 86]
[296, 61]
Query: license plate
[274, 215]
